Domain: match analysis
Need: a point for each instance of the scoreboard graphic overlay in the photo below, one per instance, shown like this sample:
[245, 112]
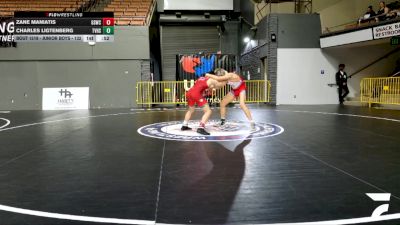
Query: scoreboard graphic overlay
[64, 26]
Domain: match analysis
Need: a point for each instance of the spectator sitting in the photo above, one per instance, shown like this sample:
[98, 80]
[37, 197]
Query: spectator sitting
[382, 12]
[368, 15]
[394, 8]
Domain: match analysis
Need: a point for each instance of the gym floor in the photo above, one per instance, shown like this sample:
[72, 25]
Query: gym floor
[83, 167]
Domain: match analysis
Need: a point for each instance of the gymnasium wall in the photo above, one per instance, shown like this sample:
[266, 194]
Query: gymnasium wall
[360, 55]
[261, 49]
[303, 75]
[247, 10]
[298, 31]
[263, 9]
[293, 31]
[302, 69]
[111, 70]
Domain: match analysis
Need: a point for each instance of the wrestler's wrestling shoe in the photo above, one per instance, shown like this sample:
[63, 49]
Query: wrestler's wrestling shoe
[253, 127]
[202, 131]
[222, 123]
[183, 128]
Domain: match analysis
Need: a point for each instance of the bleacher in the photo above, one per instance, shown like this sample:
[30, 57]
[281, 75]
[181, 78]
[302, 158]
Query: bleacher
[8, 7]
[130, 12]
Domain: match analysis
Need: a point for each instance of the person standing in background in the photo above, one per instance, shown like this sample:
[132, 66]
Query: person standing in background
[341, 81]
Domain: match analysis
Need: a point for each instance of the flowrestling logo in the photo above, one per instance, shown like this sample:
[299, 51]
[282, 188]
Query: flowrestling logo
[232, 131]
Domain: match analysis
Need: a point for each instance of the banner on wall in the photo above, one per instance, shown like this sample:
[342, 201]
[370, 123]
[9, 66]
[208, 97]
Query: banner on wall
[191, 67]
[65, 98]
[386, 31]
[7, 32]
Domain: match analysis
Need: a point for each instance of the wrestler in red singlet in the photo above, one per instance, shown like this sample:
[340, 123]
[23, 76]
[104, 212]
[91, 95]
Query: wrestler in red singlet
[195, 94]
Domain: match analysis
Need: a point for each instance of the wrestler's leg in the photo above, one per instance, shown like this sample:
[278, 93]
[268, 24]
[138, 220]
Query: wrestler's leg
[188, 115]
[246, 110]
[207, 113]
[225, 101]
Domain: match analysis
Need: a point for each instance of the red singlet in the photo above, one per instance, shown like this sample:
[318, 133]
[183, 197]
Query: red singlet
[237, 87]
[195, 94]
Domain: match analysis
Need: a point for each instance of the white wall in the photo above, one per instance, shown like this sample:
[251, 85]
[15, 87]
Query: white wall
[299, 71]
[347, 38]
[300, 81]
[358, 56]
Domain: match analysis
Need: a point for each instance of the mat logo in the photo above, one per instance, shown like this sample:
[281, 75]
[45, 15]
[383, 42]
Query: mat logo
[380, 197]
[66, 97]
[66, 93]
[232, 131]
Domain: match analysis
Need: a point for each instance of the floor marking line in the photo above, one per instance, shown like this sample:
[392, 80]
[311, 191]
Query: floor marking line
[346, 221]
[139, 130]
[341, 114]
[159, 181]
[336, 168]
[332, 166]
[140, 222]
[33, 150]
[73, 217]
[332, 222]
[67, 119]
[7, 123]
[66, 216]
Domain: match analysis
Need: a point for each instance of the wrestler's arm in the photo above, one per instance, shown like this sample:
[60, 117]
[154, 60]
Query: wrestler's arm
[219, 85]
[220, 78]
[214, 84]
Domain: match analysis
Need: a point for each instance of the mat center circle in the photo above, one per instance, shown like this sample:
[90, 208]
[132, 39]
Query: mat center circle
[231, 131]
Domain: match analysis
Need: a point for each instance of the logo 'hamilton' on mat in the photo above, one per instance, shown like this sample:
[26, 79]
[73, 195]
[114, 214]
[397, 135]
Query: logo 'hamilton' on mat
[233, 130]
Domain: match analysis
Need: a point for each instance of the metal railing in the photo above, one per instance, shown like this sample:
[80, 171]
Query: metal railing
[174, 92]
[151, 12]
[383, 90]
[362, 23]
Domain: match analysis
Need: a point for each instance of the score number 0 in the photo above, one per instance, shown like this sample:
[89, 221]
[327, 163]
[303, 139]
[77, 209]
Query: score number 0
[108, 21]
[108, 26]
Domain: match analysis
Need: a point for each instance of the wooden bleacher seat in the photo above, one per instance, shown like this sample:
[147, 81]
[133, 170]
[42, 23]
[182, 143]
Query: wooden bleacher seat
[129, 12]
[137, 23]
[118, 14]
[144, 14]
